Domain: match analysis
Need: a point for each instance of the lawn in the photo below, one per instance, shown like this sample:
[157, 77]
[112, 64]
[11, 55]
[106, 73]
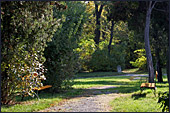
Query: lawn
[134, 102]
[146, 102]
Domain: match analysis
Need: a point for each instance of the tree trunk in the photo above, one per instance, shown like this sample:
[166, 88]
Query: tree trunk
[168, 70]
[158, 66]
[167, 65]
[104, 34]
[147, 44]
[97, 30]
[157, 50]
[111, 37]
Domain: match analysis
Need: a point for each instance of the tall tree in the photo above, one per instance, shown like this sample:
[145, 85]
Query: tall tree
[150, 6]
[111, 37]
[159, 33]
[168, 70]
[117, 11]
[63, 62]
[98, 11]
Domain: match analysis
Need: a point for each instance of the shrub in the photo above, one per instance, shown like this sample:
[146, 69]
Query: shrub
[164, 101]
[101, 61]
[26, 27]
[61, 57]
[141, 61]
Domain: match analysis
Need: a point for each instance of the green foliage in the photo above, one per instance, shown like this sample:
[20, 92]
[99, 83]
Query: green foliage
[101, 61]
[86, 49]
[26, 27]
[120, 10]
[140, 62]
[61, 56]
[164, 101]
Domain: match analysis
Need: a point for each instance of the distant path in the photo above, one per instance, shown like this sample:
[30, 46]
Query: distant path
[139, 75]
[97, 101]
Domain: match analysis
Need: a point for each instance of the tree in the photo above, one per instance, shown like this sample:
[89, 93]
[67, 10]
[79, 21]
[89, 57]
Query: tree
[150, 6]
[62, 60]
[156, 20]
[111, 37]
[117, 11]
[98, 12]
[159, 33]
[26, 27]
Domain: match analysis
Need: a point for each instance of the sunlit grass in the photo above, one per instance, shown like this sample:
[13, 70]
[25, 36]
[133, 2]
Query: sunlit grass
[124, 85]
[130, 70]
[100, 81]
[129, 104]
[97, 74]
[140, 104]
[31, 105]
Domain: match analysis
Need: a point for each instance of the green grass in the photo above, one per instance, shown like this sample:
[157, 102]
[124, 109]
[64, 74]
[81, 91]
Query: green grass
[97, 74]
[118, 81]
[138, 103]
[135, 71]
[31, 105]
[103, 74]
[131, 70]
[145, 102]
[124, 85]
[129, 104]
[46, 100]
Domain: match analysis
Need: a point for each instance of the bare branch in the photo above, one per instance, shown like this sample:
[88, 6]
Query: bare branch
[160, 10]
[150, 4]
[153, 4]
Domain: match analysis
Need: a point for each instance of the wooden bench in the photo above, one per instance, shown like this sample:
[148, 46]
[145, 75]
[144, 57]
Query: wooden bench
[38, 89]
[149, 86]
[43, 87]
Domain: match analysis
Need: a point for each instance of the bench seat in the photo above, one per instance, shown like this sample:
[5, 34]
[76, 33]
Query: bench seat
[148, 85]
[43, 87]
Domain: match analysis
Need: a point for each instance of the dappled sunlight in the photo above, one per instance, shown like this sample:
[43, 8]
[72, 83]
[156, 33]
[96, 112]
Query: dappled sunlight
[92, 52]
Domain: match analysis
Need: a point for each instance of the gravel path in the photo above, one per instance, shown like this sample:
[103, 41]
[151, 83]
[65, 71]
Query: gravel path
[96, 102]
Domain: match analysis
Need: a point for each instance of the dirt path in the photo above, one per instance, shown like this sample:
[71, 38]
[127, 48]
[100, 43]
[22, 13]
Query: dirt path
[97, 101]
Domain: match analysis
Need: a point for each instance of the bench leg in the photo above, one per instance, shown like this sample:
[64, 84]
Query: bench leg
[155, 92]
[37, 95]
[141, 90]
[22, 97]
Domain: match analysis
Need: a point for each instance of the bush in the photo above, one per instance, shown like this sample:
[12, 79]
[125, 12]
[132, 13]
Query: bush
[101, 61]
[26, 27]
[61, 63]
[164, 100]
[141, 61]
[61, 57]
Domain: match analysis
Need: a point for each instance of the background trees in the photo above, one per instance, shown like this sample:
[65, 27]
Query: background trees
[72, 30]
[142, 8]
